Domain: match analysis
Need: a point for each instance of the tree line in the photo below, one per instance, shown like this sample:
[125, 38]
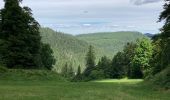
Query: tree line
[131, 62]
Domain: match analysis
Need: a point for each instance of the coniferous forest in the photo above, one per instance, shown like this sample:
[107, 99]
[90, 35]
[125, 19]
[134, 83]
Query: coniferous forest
[39, 63]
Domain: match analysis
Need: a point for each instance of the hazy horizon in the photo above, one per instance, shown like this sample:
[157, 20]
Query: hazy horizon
[89, 16]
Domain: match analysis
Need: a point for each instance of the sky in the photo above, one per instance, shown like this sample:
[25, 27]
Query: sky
[89, 16]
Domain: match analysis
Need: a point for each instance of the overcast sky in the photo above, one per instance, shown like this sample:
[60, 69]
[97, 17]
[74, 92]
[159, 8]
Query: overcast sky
[88, 16]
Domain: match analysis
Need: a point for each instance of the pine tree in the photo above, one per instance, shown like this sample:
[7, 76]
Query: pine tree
[47, 57]
[20, 41]
[104, 65]
[117, 66]
[90, 62]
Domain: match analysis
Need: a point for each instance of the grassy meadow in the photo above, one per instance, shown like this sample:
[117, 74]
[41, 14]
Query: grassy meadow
[50, 88]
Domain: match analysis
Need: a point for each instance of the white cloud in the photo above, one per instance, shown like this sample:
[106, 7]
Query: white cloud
[140, 2]
[80, 16]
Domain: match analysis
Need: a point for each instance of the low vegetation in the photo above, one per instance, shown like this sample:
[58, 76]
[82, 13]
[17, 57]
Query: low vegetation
[14, 75]
[45, 90]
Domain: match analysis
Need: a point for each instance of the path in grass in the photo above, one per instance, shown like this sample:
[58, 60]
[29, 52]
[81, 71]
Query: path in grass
[99, 90]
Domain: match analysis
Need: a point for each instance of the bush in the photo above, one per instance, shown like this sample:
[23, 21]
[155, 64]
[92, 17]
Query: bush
[3, 69]
[97, 74]
[163, 78]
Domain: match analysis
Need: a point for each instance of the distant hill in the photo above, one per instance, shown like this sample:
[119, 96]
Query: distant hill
[67, 48]
[72, 49]
[149, 35]
[110, 42]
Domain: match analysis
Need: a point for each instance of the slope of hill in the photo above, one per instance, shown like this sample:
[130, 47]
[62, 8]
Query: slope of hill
[67, 48]
[72, 49]
[21, 75]
[110, 42]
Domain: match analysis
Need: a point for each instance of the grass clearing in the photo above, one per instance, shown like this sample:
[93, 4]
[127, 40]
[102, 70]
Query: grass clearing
[100, 90]
[45, 85]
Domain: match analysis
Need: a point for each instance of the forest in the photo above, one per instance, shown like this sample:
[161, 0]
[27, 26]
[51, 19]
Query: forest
[39, 63]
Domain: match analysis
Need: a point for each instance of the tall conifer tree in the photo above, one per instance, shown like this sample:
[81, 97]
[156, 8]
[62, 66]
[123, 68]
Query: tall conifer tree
[19, 32]
[90, 61]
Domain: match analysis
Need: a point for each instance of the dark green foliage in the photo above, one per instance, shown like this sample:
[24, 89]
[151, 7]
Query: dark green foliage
[3, 69]
[90, 62]
[19, 32]
[136, 72]
[155, 62]
[160, 61]
[165, 35]
[117, 66]
[101, 71]
[163, 78]
[104, 67]
[129, 54]
[47, 57]
[97, 74]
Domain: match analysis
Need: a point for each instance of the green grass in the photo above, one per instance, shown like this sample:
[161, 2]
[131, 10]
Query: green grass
[100, 90]
[132, 81]
[19, 75]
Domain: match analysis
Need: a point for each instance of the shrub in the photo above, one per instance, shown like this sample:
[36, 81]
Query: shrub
[3, 69]
[163, 78]
[97, 74]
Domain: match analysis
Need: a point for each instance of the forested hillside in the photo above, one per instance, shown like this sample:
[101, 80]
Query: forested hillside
[110, 42]
[66, 48]
[72, 49]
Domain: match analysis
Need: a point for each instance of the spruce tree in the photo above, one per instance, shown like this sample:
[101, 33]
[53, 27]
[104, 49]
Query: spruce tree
[19, 32]
[90, 61]
[117, 66]
[104, 65]
[47, 57]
